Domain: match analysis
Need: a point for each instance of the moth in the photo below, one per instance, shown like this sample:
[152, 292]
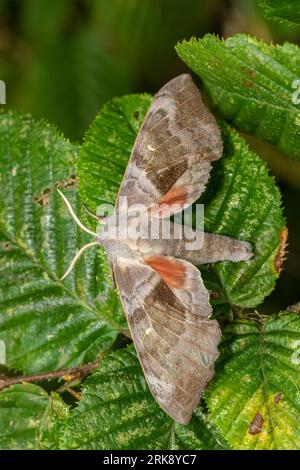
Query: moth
[161, 290]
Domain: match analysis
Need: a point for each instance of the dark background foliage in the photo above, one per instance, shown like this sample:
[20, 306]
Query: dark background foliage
[62, 59]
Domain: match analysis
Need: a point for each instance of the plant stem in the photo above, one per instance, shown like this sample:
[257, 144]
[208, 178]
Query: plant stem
[72, 392]
[67, 374]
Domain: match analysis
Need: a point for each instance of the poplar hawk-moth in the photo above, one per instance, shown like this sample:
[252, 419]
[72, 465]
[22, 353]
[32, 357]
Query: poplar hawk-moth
[164, 298]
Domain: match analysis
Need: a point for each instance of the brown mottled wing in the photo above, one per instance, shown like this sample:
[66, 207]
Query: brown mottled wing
[171, 158]
[176, 347]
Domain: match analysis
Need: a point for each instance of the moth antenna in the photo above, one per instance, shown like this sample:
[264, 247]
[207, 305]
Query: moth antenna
[87, 230]
[76, 257]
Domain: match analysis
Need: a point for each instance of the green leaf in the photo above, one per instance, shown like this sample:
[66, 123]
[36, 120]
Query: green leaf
[241, 199]
[287, 10]
[117, 411]
[254, 398]
[253, 85]
[30, 418]
[46, 324]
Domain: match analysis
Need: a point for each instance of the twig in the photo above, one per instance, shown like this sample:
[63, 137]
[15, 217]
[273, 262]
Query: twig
[67, 374]
[72, 392]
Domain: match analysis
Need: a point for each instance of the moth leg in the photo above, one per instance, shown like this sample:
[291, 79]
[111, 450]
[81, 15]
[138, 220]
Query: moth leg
[94, 216]
[99, 218]
[112, 274]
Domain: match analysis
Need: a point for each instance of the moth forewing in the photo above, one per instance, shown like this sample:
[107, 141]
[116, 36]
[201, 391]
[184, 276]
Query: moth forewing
[171, 158]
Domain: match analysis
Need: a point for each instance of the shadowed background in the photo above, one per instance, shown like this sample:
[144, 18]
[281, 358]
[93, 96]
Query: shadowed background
[62, 59]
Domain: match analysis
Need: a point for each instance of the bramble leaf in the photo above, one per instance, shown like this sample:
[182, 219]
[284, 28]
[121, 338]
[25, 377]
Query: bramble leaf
[44, 323]
[287, 11]
[30, 418]
[254, 397]
[254, 85]
[117, 411]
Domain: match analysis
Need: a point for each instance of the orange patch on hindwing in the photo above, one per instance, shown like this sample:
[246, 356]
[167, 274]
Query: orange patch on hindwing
[171, 271]
[174, 199]
[175, 196]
